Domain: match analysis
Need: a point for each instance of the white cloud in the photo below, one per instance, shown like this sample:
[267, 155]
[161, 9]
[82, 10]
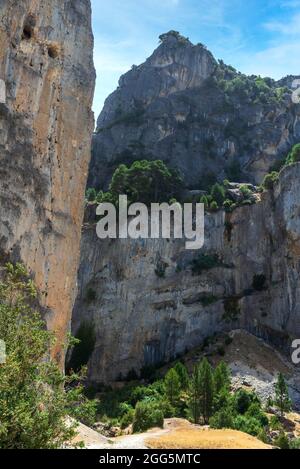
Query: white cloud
[291, 27]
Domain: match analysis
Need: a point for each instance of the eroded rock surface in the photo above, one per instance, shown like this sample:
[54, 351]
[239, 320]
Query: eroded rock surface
[46, 89]
[142, 318]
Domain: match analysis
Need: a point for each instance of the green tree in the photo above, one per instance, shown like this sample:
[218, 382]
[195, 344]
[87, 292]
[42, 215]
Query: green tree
[194, 395]
[201, 392]
[172, 386]
[146, 181]
[282, 400]
[182, 372]
[34, 406]
[206, 390]
[221, 377]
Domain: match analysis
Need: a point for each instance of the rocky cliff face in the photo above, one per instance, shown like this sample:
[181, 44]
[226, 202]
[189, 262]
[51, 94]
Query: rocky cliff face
[46, 88]
[142, 318]
[196, 114]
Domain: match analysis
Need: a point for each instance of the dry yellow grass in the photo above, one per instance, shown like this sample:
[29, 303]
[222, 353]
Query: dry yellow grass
[197, 438]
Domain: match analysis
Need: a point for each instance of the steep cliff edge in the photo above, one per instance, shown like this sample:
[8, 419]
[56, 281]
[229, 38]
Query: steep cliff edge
[46, 89]
[196, 114]
[142, 318]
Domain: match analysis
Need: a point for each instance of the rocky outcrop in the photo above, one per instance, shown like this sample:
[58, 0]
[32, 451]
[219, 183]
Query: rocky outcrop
[46, 89]
[199, 116]
[144, 315]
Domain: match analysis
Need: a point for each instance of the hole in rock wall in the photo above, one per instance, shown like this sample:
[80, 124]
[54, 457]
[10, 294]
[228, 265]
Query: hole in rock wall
[53, 51]
[28, 28]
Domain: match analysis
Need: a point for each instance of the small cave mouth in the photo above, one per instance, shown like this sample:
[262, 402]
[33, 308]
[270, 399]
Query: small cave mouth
[53, 51]
[27, 32]
[28, 28]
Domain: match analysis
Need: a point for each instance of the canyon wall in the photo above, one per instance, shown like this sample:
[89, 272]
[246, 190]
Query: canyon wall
[46, 89]
[147, 306]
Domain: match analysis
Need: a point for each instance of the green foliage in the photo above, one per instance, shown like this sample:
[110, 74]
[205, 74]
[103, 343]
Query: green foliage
[147, 415]
[33, 402]
[270, 180]
[218, 193]
[247, 424]
[127, 418]
[205, 262]
[201, 392]
[282, 441]
[84, 348]
[243, 400]
[146, 182]
[282, 400]
[295, 443]
[275, 423]
[222, 419]
[294, 155]
[221, 377]
[183, 375]
[172, 386]
[213, 206]
[91, 195]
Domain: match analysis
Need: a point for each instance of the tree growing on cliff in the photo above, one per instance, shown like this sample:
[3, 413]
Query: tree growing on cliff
[146, 181]
[34, 406]
[282, 399]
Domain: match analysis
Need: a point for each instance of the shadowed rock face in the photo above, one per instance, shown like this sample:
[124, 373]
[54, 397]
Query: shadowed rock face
[197, 115]
[142, 319]
[46, 89]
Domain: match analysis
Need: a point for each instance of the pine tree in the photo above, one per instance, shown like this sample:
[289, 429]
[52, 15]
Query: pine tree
[194, 395]
[221, 377]
[206, 388]
[182, 372]
[172, 386]
[282, 399]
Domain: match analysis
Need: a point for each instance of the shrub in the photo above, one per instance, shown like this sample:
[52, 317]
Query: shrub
[247, 424]
[282, 441]
[255, 411]
[127, 418]
[218, 193]
[227, 205]
[213, 206]
[242, 401]
[295, 443]
[34, 404]
[91, 195]
[270, 180]
[294, 155]
[147, 415]
[222, 419]
[205, 262]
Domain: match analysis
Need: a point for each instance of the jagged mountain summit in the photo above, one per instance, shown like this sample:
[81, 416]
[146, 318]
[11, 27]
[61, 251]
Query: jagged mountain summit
[198, 115]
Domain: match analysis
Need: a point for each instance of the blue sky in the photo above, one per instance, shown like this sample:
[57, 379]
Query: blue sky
[255, 36]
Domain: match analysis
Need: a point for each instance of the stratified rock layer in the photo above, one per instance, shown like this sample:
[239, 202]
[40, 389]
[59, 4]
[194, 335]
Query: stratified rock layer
[46, 89]
[142, 318]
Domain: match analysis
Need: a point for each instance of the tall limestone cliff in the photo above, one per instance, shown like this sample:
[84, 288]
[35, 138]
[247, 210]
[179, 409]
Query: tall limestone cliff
[148, 304]
[46, 89]
[198, 115]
